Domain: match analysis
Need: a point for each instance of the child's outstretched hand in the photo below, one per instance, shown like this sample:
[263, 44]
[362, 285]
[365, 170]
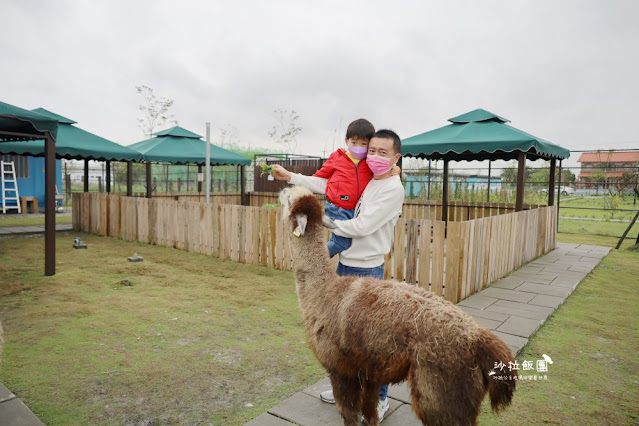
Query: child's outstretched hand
[280, 173]
[396, 171]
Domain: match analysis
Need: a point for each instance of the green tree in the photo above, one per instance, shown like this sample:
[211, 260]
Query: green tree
[509, 175]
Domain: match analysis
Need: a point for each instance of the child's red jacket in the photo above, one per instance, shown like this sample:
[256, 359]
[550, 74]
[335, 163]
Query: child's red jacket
[346, 182]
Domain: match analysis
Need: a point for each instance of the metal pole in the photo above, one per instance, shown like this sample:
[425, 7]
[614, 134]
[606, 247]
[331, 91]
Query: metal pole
[49, 205]
[149, 188]
[551, 183]
[559, 195]
[521, 181]
[243, 185]
[129, 178]
[208, 163]
[108, 177]
[489, 174]
[445, 193]
[428, 197]
[86, 175]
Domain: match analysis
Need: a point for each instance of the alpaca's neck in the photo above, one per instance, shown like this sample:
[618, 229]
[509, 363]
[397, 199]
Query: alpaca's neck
[311, 263]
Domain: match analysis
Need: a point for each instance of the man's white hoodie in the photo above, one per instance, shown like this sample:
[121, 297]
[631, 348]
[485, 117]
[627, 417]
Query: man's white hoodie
[373, 226]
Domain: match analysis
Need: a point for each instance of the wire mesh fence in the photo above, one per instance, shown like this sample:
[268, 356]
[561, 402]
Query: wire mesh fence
[597, 191]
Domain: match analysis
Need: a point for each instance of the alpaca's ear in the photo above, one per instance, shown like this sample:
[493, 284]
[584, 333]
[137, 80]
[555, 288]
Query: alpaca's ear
[301, 220]
[284, 200]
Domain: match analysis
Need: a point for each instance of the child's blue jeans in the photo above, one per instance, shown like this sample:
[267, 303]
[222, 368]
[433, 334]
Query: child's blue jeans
[337, 244]
[377, 272]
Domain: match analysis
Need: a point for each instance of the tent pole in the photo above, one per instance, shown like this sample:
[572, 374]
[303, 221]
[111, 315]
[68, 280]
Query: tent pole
[521, 181]
[208, 163]
[243, 185]
[445, 193]
[49, 205]
[488, 186]
[129, 178]
[199, 182]
[86, 175]
[108, 176]
[149, 189]
[559, 195]
[551, 183]
[428, 196]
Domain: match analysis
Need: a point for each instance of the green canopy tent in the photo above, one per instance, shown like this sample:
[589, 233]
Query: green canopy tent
[180, 146]
[481, 135]
[17, 124]
[78, 144]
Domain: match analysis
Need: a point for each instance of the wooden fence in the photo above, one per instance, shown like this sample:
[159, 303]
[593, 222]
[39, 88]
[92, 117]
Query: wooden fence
[458, 211]
[454, 262]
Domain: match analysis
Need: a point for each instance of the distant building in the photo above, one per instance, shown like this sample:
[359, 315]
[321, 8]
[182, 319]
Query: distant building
[607, 164]
[416, 183]
[30, 176]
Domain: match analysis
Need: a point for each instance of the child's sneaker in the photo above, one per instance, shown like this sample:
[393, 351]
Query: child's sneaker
[382, 408]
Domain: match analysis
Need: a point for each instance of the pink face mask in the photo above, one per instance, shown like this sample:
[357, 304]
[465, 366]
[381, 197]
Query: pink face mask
[378, 165]
[358, 152]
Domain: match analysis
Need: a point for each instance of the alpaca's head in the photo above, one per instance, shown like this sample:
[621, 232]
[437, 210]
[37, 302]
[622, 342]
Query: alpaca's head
[301, 210]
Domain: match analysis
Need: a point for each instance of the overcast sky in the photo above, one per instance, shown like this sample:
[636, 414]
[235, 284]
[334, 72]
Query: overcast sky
[566, 71]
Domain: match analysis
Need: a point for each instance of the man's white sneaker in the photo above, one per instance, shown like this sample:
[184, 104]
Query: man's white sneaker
[327, 396]
[382, 408]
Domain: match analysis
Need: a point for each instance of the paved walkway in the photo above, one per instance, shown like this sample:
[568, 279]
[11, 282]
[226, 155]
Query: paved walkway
[32, 229]
[513, 307]
[13, 411]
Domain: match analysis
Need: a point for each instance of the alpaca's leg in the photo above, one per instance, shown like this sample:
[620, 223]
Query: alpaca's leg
[370, 398]
[347, 392]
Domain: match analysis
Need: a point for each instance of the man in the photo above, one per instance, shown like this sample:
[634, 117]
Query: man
[373, 226]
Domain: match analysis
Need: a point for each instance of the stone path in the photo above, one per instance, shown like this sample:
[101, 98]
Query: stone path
[13, 411]
[513, 307]
[32, 229]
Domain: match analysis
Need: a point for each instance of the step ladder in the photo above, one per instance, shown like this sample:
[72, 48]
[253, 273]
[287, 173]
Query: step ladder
[9, 187]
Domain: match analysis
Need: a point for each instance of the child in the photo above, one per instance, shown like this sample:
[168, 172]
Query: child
[347, 174]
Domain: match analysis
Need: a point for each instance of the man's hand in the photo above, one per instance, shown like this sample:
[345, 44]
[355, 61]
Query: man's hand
[328, 222]
[280, 173]
[396, 170]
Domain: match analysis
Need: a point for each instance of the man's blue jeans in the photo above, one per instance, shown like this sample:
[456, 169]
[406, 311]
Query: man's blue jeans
[337, 244]
[377, 272]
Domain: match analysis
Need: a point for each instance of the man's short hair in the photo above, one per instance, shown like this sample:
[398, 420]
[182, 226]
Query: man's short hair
[389, 134]
[361, 129]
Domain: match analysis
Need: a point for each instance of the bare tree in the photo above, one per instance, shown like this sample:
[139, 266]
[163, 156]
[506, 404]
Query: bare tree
[286, 129]
[228, 137]
[155, 110]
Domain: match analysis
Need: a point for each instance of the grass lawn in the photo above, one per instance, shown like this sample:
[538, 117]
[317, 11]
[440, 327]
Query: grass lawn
[598, 203]
[179, 338]
[9, 220]
[593, 340]
[601, 228]
[186, 338]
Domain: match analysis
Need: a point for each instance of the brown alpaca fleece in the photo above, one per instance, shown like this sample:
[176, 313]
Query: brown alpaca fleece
[367, 332]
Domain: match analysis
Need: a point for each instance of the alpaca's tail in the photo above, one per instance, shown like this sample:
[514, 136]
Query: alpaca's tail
[496, 362]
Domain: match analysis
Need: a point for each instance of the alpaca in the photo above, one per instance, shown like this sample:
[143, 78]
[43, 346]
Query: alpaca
[367, 332]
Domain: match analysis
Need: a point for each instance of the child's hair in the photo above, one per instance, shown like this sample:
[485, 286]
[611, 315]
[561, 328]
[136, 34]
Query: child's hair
[389, 134]
[361, 129]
